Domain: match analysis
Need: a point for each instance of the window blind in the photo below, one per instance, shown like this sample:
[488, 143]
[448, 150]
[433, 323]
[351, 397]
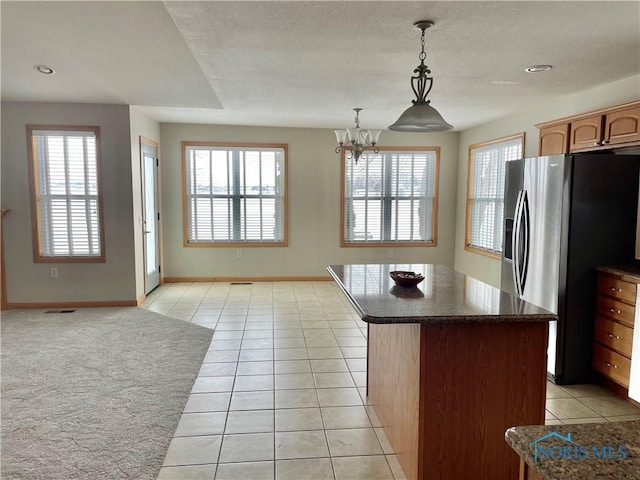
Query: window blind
[486, 195]
[389, 197]
[235, 194]
[67, 193]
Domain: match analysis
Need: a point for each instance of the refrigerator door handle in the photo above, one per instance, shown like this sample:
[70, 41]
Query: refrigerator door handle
[515, 244]
[524, 263]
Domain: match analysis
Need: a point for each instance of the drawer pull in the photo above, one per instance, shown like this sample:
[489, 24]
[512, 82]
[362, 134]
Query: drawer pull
[614, 289]
[613, 310]
[610, 365]
[613, 336]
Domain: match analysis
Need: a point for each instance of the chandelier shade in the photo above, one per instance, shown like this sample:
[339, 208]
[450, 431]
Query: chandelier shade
[357, 140]
[421, 116]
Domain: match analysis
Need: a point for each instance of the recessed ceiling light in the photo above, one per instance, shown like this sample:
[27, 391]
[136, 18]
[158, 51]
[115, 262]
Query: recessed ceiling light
[538, 68]
[44, 69]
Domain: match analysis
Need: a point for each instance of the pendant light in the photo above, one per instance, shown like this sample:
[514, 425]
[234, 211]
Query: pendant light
[421, 116]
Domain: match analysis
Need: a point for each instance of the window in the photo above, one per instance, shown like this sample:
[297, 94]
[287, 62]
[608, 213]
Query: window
[390, 198]
[235, 194]
[485, 193]
[66, 195]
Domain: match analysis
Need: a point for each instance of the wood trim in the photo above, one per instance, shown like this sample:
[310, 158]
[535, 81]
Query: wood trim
[246, 279]
[35, 214]
[90, 304]
[580, 116]
[239, 244]
[470, 176]
[141, 299]
[436, 193]
[3, 273]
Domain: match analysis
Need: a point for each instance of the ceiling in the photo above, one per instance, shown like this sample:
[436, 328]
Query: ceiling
[308, 63]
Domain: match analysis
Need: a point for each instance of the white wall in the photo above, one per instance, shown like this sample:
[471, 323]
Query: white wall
[626, 90]
[141, 126]
[30, 282]
[314, 206]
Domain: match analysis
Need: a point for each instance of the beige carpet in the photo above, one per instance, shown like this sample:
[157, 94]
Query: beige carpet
[94, 394]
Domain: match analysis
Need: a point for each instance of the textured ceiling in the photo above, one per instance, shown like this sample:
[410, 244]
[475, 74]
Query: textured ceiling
[308, 63]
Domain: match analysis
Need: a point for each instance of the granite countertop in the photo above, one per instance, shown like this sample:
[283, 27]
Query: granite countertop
[622, 437]
[445, 296]
[629, 273]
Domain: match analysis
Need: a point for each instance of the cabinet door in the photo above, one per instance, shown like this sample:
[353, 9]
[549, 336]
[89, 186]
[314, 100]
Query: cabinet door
[622, 126]
[586, 133]
[554, 140]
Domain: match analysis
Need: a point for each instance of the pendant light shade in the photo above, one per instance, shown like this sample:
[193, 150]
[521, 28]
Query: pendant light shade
[421, 116]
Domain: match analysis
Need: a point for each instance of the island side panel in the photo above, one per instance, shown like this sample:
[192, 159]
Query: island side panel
[394, 386]
[478, 380]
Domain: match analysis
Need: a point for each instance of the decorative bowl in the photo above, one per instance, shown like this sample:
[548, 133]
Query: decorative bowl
[406, 279]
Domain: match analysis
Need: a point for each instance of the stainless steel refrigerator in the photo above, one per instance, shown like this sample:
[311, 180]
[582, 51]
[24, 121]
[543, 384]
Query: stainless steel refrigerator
[563, 216]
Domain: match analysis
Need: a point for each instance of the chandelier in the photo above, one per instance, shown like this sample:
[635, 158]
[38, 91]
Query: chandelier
[421, 117]
[357, 140]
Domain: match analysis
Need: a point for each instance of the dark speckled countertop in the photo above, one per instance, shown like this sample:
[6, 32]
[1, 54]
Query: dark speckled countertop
[444, 296]
[579, 441]
[629, 273]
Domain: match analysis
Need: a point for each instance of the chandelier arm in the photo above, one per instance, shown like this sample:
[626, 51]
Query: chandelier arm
[339, 148]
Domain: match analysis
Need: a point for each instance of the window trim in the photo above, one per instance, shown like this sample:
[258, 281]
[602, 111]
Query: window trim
[470, 178]
[434, 226]
[241, 243]
[36, 219]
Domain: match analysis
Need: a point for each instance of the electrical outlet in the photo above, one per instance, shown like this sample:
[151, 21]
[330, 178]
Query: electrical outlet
[54, 272]
[390, 253]
[238, 253]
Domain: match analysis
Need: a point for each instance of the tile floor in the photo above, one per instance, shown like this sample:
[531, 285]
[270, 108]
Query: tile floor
[280, 394]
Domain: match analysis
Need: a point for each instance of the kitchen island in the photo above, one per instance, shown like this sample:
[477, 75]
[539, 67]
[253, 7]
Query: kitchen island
[451, 365]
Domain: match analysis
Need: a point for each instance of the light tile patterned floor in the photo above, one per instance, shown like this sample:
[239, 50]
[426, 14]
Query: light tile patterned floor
[281, 391]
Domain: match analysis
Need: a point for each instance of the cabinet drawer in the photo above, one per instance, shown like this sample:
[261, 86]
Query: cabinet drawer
[611, 364]
[614, 335]
[625, 291]
[616, 310]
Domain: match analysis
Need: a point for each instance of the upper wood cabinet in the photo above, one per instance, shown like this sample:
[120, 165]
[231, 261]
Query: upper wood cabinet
[586, 134]
[622, 126]
[598, 130]
[554, 139]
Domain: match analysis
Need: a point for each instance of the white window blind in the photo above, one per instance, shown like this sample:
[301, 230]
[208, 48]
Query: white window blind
[389, 197]
[235, 194]
[485, 202]
[67, 193]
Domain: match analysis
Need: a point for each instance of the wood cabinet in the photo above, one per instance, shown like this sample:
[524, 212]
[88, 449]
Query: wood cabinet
[613, 335]
[586, 134]
[598, 130]
[622, 126]
[554, 139]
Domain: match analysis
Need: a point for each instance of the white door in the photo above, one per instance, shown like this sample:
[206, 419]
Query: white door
[150, 214]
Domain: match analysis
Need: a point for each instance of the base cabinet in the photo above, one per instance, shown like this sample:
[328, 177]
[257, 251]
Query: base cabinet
[614, 327]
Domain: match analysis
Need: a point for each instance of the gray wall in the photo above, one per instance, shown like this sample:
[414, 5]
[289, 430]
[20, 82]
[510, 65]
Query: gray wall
[314, 206]
[29, 282]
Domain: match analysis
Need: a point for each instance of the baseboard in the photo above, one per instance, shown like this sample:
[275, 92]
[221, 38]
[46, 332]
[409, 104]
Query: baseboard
[619, 390]
[39, 305]
[141, 299]
[246, 279]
